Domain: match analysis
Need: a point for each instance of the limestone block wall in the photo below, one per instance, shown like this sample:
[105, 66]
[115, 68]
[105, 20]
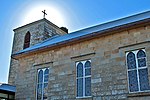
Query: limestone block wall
[40, 31]
[109, 72]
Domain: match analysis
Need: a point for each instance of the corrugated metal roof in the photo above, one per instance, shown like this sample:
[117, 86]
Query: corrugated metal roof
[7, 87]
[87, 31]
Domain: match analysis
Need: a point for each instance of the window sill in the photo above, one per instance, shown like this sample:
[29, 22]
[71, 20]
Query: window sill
[84, 97]
[139, 94]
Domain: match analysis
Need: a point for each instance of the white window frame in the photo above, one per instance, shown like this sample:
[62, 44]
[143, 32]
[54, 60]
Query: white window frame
[43, 69]
[84, 77]
[137, 69]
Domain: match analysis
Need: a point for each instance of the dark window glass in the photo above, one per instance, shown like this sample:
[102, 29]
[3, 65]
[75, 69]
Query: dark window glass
[131, 61]
[39, 92]
[27, 40]
[133, 82]
[143, 78]
[88, 86]
[141, 62]
[80, 70]
[46, 71]
[87, 64]
[80, 87]
[46, 78]
[87, 71]
[140, 54]
[40, 76]
[45, 85]
[45, 91]
[141, 58]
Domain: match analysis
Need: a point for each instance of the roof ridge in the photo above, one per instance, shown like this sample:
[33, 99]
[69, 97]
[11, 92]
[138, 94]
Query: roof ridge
[122, 18]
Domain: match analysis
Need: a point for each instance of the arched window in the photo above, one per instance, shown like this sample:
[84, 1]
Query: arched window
[141, 56]
[79, 79]
[39, 84]
[27, 40]
[42, 84]
[137, 71]
[87, 79]
[80, 70]
[83, 78]
[143, 71]
[45, 89]
[131, 62]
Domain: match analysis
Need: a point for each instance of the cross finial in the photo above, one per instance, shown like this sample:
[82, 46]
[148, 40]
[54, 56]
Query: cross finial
[44, 13]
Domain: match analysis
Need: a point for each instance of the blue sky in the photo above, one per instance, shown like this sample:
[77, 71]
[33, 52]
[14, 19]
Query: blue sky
[73, 14]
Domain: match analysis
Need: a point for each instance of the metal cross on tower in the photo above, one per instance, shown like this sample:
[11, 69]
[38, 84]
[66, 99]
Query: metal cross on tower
[44, 13]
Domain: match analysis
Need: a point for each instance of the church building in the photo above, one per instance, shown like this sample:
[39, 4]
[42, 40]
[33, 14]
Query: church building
[109, 61]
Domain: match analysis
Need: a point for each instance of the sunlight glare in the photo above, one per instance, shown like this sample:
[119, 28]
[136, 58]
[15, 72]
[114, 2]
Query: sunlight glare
[35, 13]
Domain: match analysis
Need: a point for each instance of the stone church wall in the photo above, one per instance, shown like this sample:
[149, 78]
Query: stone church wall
[109, 72]
[39, 32]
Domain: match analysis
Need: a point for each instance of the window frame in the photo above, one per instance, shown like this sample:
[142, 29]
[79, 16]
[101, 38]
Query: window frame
[84, 77]
[27, 40]
[137, 70]
[37, 83]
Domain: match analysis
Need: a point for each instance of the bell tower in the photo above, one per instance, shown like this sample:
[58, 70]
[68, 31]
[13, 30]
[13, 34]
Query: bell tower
[29, 35]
